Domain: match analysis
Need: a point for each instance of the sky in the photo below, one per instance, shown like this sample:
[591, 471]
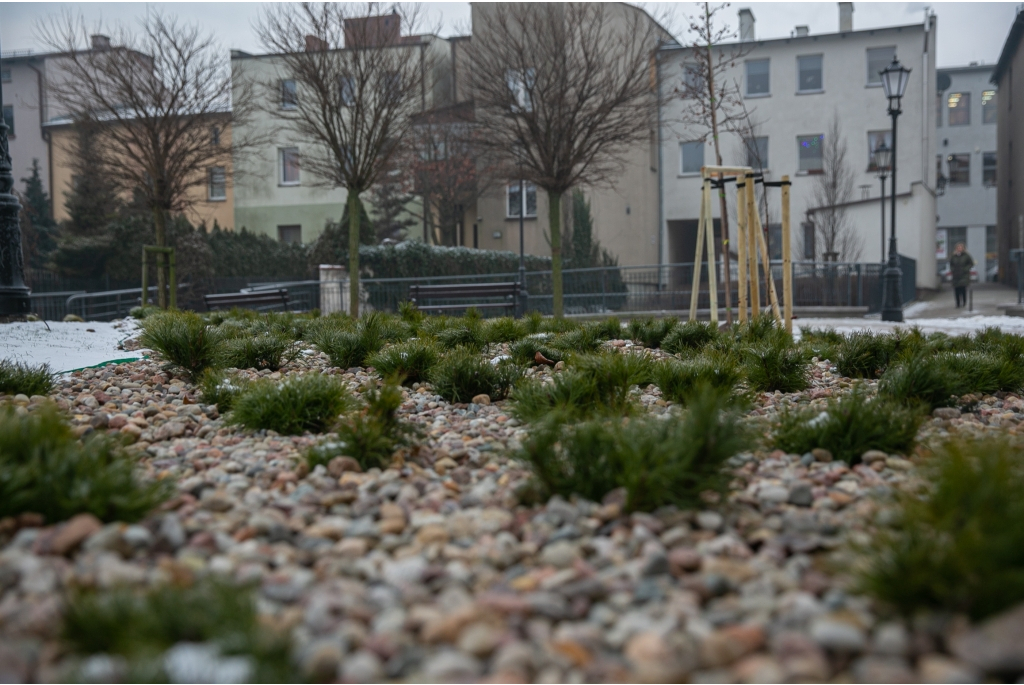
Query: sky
[967, 31]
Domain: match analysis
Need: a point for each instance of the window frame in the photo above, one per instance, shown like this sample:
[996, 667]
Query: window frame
[746, 78]
[800, 160]
[990, 110]
[887, 139]
[210, 185]
[8, 121]
[989, 177]
[867, 65]
[965, 109]
[682, 156]
[821, 74]
[5, 76]
[281, 181]
[289, 102]
[693, 79]
[520, 83]
[524, 205]
[347, 91]
[960, 157]
[281, 228]
[750, 151]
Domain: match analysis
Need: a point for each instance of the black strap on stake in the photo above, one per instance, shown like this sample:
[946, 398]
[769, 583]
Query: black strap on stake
[776, 184]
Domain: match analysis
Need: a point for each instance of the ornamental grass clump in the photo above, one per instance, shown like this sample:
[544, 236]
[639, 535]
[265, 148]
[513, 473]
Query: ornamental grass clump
[462, 374]
[25, 379]
[956, 544]
[650, 332]
[349, 345]
[412, 360]
[848, 427]
[265, 350]
[311, 402]
[504, 329]
[579, 341]
[775, 364]
[679, 380]
[45, 469]
[184, 339]
[691, 336]
[525, 351]
[822, 343]
[658, 462]
[469, 333]
[222, 388]
[179, 633]
[573, 394]
[864, 354]
[763, 328]
[370, 435]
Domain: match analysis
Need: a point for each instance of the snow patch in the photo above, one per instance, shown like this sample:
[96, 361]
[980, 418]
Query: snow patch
[66, 345]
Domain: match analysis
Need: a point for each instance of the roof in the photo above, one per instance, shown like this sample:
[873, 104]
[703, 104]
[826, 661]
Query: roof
[404, 41]
[1009, 47]
[810, 37]
[108, 117]
[962, 70]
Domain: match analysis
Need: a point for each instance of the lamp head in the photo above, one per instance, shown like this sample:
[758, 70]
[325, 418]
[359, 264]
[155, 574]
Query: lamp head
[895, 78]
[882, 157]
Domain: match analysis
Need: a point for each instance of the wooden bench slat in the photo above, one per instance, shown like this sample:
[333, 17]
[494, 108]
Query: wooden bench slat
[262, 297]
[464, 291]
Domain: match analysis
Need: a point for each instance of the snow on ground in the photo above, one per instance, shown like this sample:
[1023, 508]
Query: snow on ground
[66, 346]
[952, 326]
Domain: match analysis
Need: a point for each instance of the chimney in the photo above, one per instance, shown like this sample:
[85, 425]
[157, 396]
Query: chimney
[802, 31]
[746, 25]
[371, 32]
[100, 42]
[314, 44]
[845, 17]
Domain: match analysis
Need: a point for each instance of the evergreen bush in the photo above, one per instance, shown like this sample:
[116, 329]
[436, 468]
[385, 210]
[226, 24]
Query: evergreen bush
[775, 364]
[679, 380]
[462, 374]
[184, 339]
[650, 332]
[258, 351]
[18, 377]
[221, 388]
[689, 337]
[311, 402]
[412, 360]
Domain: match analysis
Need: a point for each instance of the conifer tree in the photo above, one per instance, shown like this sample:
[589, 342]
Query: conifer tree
[38, 227]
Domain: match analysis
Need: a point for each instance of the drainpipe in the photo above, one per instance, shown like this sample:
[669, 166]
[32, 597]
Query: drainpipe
[46, 137]
[661, 175]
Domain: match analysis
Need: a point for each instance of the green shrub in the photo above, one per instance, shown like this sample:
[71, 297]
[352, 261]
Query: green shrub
[525, 351]
[867, 355]
[690, 337]
[821, 343]
[775, 365]
[141, 625]
[764, 328]
[183, 339]
[348, 345]
[580, 341]
[658, 462]
[46, 470]
[957, 543]
[433, 325]
[311, 402]
[678, 380]
[142, 312]
[469, 334]
[940, 380]
[572, 394]
[411, 360]
[369, 436]
[463, 374]
[410, 314]
[19, 378]
[849, 427]
[221, 388]
[259, 351]
[617, 372]
[504, 329]
[553, 325]
[650, 332]
[534, 322]
[609, 329]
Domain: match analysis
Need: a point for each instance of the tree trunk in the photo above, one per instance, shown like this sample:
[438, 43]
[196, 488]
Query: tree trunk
[555, 222]
[354, 208]
[160, 226]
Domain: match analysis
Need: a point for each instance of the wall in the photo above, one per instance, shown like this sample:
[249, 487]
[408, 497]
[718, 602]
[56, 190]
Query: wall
[27, 143]
[783, 115]
[1010, 172]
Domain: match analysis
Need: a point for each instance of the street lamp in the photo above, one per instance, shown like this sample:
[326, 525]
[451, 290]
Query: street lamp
[882, 156]
[14, 300]
[894, 82]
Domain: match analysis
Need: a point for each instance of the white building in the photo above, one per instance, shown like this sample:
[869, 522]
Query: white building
[966, 140]
[792, 87]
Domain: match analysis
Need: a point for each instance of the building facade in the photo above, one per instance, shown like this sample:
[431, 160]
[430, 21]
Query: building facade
[1008, 78]
[792, 88]
[965, 119]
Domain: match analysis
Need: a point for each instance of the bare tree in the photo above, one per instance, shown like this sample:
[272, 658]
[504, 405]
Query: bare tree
[748, 127]
[563, 92]
[157, 101]
[711, 103]
[358, 85]
[833, 188]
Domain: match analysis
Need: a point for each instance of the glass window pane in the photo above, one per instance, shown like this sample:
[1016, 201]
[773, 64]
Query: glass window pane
[218, 183]
[959, 105]
[809, 73]
[9, 119]
[290, 165]
[692, 155]
[959, 169]
[988, 107]
[531, 200]
[879, 59]
[876, 138]
[289, 94]
[810, 152]
[514, 204]
[988, 168]
[758, 82]
[757, 152]
[693, 80]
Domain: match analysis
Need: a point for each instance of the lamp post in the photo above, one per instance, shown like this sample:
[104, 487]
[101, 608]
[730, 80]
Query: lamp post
[894, 81]
[522, 250]
[882, 157]
[14, 300]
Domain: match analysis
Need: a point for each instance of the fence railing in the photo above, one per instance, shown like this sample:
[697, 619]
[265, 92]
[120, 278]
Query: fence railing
[109, 304]
[51, 306]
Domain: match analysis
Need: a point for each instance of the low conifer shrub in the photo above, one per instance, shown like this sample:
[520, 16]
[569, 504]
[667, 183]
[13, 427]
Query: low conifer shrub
[311, 402]
[650, 332]
[763, 328]
[270, 350]
[469, 333]
[221, 388]
[609, 329]
[956, 544]
[691, 336]
[679, 380]
[19, 378]
[412, 360]
[573, 394]
[184, 339]
[463, 374]
[525, 351]
[850, 426]
[45, 469]
[775, 364]
[579, 341]
[504, 329]
[940, 380]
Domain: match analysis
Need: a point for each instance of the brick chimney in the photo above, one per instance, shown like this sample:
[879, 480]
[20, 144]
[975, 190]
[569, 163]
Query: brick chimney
[746, 26]
[372, 32]
[314, 44]
[100, 42]
[845, 17]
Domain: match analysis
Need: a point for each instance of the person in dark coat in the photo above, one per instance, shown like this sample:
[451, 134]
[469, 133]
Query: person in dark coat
[960, 265]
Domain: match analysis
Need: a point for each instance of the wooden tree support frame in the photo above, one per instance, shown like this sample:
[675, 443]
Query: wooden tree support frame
[750, 245]
[172, 301]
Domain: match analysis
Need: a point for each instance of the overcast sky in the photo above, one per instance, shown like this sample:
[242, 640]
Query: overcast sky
[968, 31]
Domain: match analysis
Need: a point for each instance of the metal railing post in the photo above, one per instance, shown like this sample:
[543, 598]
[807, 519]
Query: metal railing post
[604, 290]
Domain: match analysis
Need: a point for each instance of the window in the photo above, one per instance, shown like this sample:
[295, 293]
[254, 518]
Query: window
[938, 109]
[988, 169]
[810, 152]
[520, 85]
[758, 81]
[215, 136]
[347, 90]
[988, 106]
[757, 152]
[939, 176]
[9, 119]
[218, 183]
[878, 60]
[876, 138]
[5, 76]
[959, 169]
[691, 157]
[391, 85]
[809, 74]
[515, 204]
[290, 235]
[289, 166]
[693, 78]
[959, 105]
[808, 227]
[289, 94]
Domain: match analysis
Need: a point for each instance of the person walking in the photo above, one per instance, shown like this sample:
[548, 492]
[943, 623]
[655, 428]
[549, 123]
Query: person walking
[960, 266]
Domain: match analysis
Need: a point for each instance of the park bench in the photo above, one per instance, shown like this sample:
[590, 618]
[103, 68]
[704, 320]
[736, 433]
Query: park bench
[259, 300]
[471, 293]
